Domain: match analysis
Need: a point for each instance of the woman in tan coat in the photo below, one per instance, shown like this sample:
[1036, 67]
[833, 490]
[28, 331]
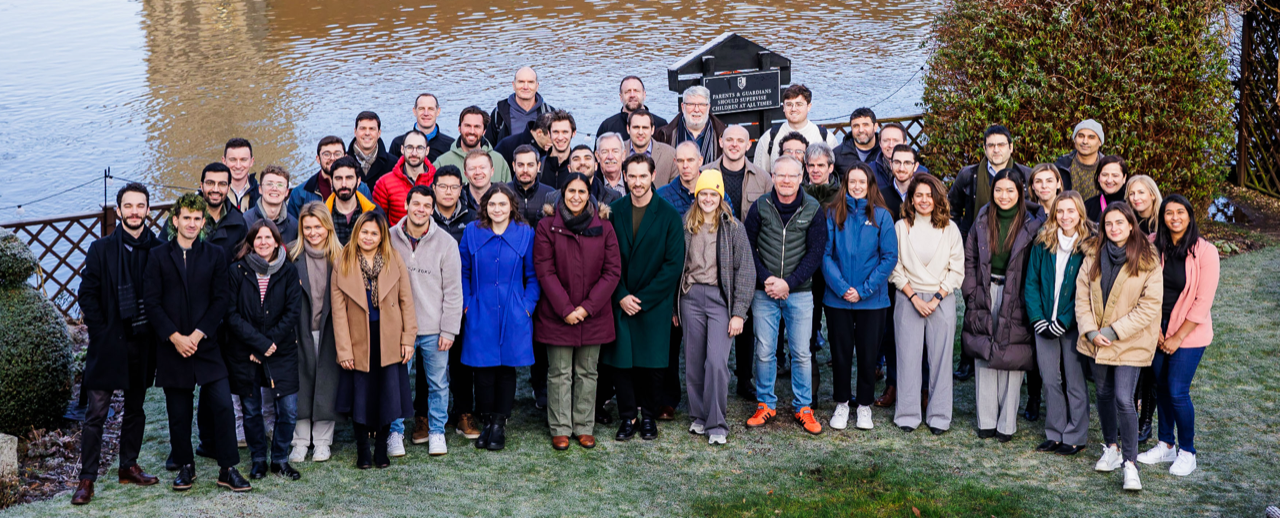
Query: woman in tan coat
[1118, 297]
[373, 305]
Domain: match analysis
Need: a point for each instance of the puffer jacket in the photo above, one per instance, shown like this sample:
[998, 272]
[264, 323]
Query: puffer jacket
[1008, 344]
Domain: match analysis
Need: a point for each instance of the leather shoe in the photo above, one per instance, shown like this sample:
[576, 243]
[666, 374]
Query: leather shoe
[421, 430]
[186, 477]
[560, 442]
[258, 470]
[482, 442]
[964, 372]
[498, 433]
[230, 478]
[1070, 449]
[666, 413]
[134, 475]
[1049, 446]
[603, 416]
[889, 398]
[84, 493]
[936, 431]
[1032, 413]
[202, 452]
[587, 441]
[986, 434]
[1144, 432]
[1003, 437]
[648, 429]
[285, 470]
[626, 430]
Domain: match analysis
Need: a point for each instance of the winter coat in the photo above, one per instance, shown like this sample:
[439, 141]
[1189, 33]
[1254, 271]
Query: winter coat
[617, 123]
[318, 368]
[575, 270]
[1196, 300]
[382, 163]
[861, 256]
[397, 324]
[229, 233]
[666, 132]
[288, 228]
[456, 224]
[255, 325]
[963, 194]
[499, 295]
[309, 191]
[1132, 311]
[847, 155]
[1008, 344]
[682, 199]
[735, 269]
[500, 119]
[457, 157]
[652, 261]
[181, 297]
[392, 189]
[117, 358]
[1038, 290]
[530, 201]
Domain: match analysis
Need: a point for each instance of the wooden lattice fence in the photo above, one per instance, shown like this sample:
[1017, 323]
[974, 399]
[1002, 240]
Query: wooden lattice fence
[1258, 111]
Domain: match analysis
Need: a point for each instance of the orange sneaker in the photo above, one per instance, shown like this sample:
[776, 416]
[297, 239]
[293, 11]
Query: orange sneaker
[763, 415]
[806, 419]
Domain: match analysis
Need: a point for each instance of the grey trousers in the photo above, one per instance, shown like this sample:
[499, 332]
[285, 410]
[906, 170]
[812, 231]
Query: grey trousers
[996, 392]
[916, 336]
[704, 317]
[1066, 417]
[571, 389]
[1117, 416]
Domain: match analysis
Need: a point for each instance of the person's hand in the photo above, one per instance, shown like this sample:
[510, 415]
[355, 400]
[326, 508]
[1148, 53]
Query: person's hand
[254, 359]
[777, 288]
[406, 352]
[933, 304]
[1101, 341]
[347, 364]
[630, 305]
[1160, 341]
[852, 296]
[185, 346]
[270, 350]
[735, 326]
[1171, 344]
[576, 316]
[444, 344]
[921, 307]
[675, 320]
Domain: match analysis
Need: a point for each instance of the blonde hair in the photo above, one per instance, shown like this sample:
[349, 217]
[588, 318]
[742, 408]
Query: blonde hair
[332, 247]
[349, 260]
[696, 218]
[1049, 231]
[1150, 184]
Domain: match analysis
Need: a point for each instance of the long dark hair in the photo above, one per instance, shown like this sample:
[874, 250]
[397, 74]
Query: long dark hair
[1139, 254]
[941, 215]
[504, 190]
[246, 246]
[993, 216]
[1164, 238]
[839, 210]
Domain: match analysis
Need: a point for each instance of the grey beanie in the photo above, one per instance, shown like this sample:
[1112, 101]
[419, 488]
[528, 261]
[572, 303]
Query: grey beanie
[1091, 125]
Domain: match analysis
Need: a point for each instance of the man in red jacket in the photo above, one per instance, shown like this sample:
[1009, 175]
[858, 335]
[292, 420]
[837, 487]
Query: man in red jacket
[412, 169]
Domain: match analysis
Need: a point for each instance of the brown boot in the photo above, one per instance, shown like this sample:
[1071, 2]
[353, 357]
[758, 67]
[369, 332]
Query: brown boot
[889, 398]
[468, 427]
[83, 494]
[421, 430]
[134, 475]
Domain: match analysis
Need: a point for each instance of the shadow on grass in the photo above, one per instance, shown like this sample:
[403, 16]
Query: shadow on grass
[873, 491]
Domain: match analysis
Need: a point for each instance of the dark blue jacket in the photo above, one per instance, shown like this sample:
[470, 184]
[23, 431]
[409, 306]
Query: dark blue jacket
[679, 197]
[861, 256]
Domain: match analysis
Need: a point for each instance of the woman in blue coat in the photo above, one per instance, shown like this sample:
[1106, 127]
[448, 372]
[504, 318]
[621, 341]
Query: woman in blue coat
[500, 294]
[862, 249]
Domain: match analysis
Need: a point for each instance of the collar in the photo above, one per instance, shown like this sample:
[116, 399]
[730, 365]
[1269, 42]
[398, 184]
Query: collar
[631, 150]
[434, 131]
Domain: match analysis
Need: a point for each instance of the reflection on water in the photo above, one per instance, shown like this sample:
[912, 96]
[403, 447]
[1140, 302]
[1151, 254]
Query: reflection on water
[152, 88]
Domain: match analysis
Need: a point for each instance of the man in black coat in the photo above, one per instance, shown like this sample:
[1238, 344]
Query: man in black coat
[426, 111]
[186, 299]
[224, 226]
[537, 134]
[368, 150]
[120, 355]
[531, 194]
[632, 94]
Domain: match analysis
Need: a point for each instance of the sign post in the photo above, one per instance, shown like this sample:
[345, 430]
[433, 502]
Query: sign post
[745, 80]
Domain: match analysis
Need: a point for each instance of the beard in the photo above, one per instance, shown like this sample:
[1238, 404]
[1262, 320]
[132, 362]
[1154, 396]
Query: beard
[410, 162]
[142, 222]
[214, 206]
[346, 194]
[870, 138]
[471, 140]
[632, 106]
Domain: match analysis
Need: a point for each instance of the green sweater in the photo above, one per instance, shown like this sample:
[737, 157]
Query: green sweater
[1000, 254]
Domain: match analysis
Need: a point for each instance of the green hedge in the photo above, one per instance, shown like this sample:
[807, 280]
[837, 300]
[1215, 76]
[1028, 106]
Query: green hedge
[17, 263]
[35, 349]
[1153, 72]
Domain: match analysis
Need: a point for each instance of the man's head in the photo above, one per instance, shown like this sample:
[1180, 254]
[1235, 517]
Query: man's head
[903, 162]
[237, 154]
[368, 130]
[688, 162]
[479, 167]
[609, 153]
[796, 102]
[525, 164]
[471, 124]
[1088, 137]
[419, 204]
[787, 173]
[345, 177]
[819, 163]
[414, 149]
[563, 128]
[695, 107]
[525, 84]
[541, 130]
[187, 215]
[448, 186]
[639, 169]
[734, 142]
[631, 93]
[863, 126]
[329, 149]
[997, 143]
[891, 135]
[426, 109]
[640, 128]
[581, 160]
[215, 181]
[273, 182]
[793, 145]
[133, 203]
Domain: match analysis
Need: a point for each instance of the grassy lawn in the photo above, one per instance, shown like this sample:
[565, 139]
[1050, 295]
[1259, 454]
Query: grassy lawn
[781, 471]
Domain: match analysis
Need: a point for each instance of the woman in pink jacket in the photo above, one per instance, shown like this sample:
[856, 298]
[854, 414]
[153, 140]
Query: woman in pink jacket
[1190, 266]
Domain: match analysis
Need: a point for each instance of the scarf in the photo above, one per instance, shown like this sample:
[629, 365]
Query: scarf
[365, 161]
[133, 259]
[1113, 259]
[370, 274]
[982, 189]
[282, 218]
[707, 148]
[1107, 199]
[578, 224]
[262, 267]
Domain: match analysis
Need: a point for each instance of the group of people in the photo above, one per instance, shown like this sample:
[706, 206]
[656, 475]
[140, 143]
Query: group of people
[593, 266]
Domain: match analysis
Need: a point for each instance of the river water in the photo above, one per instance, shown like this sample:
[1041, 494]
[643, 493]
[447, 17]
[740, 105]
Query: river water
[152, 88]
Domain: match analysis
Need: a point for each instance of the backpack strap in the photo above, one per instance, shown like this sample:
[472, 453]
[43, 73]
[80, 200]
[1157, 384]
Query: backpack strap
[773, 137]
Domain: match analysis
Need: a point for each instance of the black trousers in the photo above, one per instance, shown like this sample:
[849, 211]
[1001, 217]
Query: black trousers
[671, 375]
[819, 289]
[744, 353]
[495, 390]
[461, 383]
[217, 422]
[855, 331]
[132, 427]
[538, 371]
[638, 387]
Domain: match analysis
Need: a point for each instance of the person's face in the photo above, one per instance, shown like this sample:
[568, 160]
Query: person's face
[345, 183]
[1176, 217]
[631, 95]
[239, 160]
[819, 169]
[1117, 227]
[863, 131]
[734, 143]
[425, 111]
[369, 237]
[688, 162]
[1005, 193]
[274, 189]
[786, 180]
[582, 161]
[215, 187]
[419, 209]
[998, 150]
[368, 133]
[328, 154]
[189, 222]
[640, 129]
[696, 110]
[526, 167]
[479, 173]
[1111, 179]
[314, 232]
[471, 131]
[922, 200]
[264, 244]
[708, 200]
[561, 136]
[1087, 142]
[1067, 214]
[1045, 185]
[133, 210]
[639, 179]
[796, 110]
[903, 165]
[857, 184]
[575, 196]
[793, 149]
[609, 155]
[525, 85]
[889, 138]
[1141, 198]
[448, 189]
[499, 208]
[414, 150]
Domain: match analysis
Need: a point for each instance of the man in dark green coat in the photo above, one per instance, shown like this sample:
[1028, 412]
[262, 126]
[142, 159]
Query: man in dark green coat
[651, 241]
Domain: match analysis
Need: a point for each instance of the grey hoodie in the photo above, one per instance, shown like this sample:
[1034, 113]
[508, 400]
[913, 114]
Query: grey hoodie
[435, 274]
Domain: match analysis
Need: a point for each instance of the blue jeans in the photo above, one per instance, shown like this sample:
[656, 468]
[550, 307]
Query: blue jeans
[255, 431]
[1173, 395]
[436, 365]
[797, 309]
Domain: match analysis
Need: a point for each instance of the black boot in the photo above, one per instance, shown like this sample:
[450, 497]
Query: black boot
[498, 433]
[964, 372]
[380, 458]
[482, 443]
[1147, 406]
[169, 464]
[230, 478]
[285, 470]
[363, 458]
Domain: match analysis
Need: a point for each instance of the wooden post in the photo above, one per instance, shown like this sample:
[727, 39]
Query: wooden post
[108, 220]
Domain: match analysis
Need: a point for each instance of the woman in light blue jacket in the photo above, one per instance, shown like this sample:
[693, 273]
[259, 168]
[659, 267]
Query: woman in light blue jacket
[862, 250]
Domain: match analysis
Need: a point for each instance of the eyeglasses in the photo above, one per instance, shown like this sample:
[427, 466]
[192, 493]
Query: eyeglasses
[448, 188]
[786, 176]
[697, 105]
[211, 183]
[899, 163]
[795, 105]
[279, 186]
[415, 149]
[998, 145]
[332, 154]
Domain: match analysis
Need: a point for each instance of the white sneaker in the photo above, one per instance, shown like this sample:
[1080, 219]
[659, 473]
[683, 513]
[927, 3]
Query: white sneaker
[716, 438]
[1111, 459]
[1160, 453]
[1131, 482]
[436, 444]
[298, 454]
[395, 444]
[840, 419]
[321, 454]
[864, 418]
[1185, 464]
[697, 429]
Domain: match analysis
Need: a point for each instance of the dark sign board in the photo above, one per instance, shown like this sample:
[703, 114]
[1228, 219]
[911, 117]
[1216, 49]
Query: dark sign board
[749, 91]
